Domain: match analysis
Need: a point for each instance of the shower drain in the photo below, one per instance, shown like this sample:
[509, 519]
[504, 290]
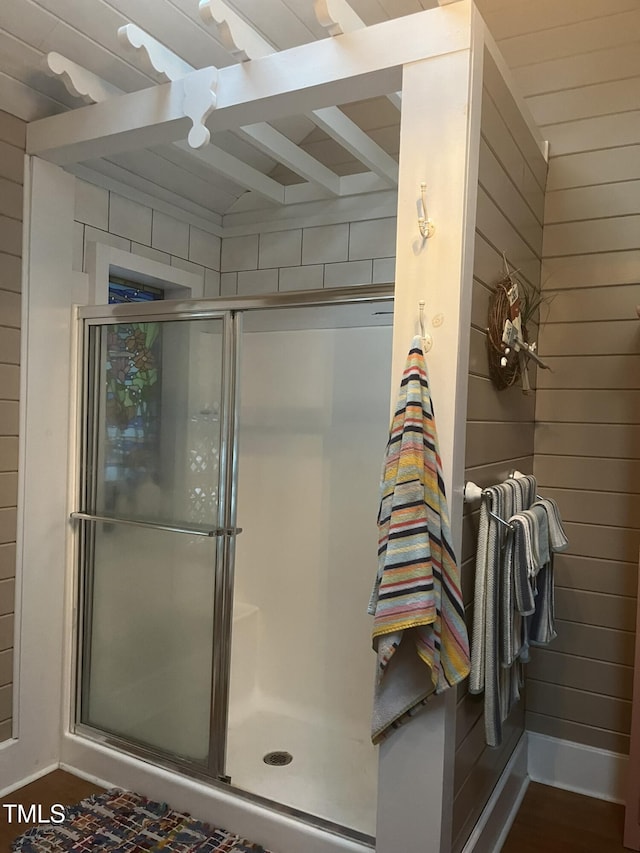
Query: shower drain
[278, 758]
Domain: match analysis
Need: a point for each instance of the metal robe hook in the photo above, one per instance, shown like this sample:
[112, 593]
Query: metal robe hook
[427, 340]
[425, 225]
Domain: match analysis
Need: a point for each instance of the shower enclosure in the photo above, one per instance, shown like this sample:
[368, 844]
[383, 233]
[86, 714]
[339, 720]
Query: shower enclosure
[226, 516]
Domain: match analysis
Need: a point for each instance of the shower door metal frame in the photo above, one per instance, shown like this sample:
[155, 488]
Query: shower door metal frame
[223, 530]
[232, 308]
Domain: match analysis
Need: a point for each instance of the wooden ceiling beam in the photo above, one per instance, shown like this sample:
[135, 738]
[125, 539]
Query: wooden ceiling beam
[362, 183]
[281, 148]
[351, 67]
[158, 58]
[236, 170]
[249, 44]
[86, 85]
[338, 17]
[262, 135]
[241, 40]
[358, 143]
[77, 80]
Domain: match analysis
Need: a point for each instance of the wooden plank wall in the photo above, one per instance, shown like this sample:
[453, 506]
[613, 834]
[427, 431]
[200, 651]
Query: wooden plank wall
[12, 142]
[578, 64]
[500, 424]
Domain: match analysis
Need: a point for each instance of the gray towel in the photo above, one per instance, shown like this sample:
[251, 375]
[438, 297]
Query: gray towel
[542, 623]
[484, 674]
[513, 601]
[538, 534]
[493, 610]
[557, 537]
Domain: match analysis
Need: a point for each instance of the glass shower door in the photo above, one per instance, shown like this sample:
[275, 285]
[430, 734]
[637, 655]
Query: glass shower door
[155, 534]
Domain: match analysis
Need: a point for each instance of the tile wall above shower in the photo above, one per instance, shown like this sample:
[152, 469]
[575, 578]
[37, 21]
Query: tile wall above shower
[333, 255]
[104, 216]
[340, 255]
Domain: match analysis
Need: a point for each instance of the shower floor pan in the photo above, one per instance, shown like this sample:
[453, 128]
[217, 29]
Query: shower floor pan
[331, 775]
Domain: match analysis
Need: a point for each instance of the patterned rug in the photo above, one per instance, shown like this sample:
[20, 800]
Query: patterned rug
[128, 823]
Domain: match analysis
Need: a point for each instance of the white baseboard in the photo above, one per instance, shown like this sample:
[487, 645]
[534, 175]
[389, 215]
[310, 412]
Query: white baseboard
[88, 777]
[27, 780]
[576, 767]
[493, 826]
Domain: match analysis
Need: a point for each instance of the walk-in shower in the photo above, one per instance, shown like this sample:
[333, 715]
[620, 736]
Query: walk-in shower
[226, 510]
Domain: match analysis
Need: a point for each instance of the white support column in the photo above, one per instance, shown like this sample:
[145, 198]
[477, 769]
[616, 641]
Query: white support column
[47, 294]
[439, 143]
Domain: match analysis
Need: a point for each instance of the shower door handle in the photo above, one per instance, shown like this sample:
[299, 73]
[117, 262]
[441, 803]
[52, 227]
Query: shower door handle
[190, 529]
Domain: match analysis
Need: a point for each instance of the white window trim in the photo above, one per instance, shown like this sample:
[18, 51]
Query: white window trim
[103, 261]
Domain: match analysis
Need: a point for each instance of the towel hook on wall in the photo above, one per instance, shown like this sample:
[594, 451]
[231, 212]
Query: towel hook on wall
[427, 340]
[425, 225]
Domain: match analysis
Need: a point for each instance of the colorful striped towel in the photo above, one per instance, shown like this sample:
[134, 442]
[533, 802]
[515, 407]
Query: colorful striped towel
[416, 600]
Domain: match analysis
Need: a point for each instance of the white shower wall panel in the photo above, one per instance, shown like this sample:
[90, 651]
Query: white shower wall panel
[313, 427]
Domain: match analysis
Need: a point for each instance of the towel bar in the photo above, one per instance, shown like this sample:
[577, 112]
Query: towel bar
[473, 492]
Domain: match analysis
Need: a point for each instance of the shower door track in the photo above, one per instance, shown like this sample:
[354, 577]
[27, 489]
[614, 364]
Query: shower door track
[93, 315]
[201, 308]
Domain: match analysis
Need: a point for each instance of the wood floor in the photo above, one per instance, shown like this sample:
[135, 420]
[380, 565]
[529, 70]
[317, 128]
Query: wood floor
[549, 820]
[56, 787]
[554, 821]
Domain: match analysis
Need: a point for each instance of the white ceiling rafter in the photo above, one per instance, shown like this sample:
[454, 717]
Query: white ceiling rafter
[237, 170]
[358, 143]
[359, 184]
[275, 22]
[77, 80]
[331, 119]
[246, 37]
[200, 101]
[312, 76]
[338, 17]
[228, 27]
[280, 147]
[266, 138]
[156, 56]
[83, 83]
[174, 24]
